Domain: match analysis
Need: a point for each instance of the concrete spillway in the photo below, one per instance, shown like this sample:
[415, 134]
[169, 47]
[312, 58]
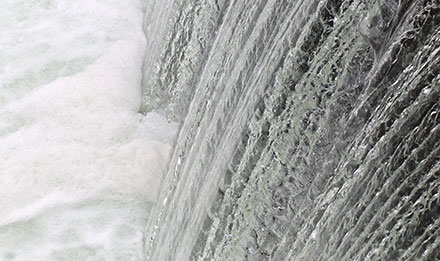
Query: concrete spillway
[310, 130]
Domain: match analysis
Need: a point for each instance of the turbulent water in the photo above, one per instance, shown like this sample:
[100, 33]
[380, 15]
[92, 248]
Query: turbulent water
[310, 130]
[79, 166]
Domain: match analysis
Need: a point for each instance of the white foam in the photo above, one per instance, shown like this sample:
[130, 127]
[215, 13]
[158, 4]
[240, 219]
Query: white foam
[79, 167]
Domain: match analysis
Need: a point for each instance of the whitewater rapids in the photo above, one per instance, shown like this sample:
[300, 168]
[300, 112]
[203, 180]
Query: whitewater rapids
[79, 166]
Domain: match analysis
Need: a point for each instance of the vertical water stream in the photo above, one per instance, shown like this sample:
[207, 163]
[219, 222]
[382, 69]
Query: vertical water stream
[310, 131]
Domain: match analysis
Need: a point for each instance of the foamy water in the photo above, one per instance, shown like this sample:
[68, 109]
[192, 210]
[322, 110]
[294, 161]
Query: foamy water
[79, 166]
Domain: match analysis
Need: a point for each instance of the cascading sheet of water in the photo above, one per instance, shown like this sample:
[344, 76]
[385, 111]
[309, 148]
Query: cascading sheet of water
[311, 131]
[79, 166]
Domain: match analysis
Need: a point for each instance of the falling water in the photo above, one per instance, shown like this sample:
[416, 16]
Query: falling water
[308, 130]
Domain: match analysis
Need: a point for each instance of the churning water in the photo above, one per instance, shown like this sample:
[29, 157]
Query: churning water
[310, 130]
[79, 166]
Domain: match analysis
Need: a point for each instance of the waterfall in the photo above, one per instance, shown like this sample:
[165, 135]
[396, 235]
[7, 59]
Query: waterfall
[220, 130]
[310, 131]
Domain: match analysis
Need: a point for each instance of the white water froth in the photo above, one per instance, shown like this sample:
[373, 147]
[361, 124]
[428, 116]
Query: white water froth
[79, 166]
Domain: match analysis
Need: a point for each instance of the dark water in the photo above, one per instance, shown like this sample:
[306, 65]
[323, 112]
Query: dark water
[310, 130]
